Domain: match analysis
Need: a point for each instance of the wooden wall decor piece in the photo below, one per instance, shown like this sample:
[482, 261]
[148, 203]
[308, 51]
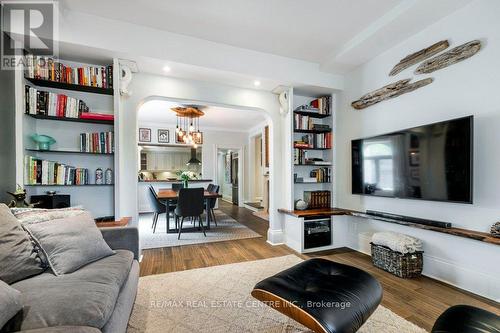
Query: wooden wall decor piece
[389, 91]
[417, 57]
[450, 57]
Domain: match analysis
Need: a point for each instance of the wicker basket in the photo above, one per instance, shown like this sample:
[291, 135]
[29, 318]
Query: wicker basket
[405, 266]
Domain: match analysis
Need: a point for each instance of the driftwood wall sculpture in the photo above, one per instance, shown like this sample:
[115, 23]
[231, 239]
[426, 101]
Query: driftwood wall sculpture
[450, 57]
[389, 91]
[419, 56]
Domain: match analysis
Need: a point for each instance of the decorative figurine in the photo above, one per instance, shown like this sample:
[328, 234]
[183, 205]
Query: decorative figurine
[108, 176]
[98, 176]
[43, 141]
[19, 200]
[300, 204]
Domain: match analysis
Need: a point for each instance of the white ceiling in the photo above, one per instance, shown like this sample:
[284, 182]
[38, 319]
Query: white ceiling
[336, 34]
[215, 118]
[306, 30]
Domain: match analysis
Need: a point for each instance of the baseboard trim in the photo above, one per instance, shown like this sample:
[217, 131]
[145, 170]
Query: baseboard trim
[275, 237]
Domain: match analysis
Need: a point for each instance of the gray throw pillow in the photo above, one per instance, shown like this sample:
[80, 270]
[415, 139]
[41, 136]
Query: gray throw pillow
[19, 257]
[70, 243]
[10, 303]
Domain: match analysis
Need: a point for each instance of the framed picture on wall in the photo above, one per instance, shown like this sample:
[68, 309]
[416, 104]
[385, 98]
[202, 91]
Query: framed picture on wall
[163, 136]
[144, 134]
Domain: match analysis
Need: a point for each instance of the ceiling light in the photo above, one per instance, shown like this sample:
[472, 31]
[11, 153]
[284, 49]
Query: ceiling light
[256, 83]
[166, 69]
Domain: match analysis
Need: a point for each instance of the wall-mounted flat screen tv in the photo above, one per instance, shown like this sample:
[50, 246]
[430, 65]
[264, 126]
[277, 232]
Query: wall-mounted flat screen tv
[431, 162]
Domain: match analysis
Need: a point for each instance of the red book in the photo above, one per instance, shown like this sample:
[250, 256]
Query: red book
[97, 116]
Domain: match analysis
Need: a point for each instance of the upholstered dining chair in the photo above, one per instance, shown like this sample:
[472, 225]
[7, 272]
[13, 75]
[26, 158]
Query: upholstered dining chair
[190, 204]
[212, 202]
[157, 205]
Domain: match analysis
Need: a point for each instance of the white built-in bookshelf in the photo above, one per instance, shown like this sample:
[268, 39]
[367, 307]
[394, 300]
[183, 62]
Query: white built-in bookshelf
[67, 151]
[311, 168]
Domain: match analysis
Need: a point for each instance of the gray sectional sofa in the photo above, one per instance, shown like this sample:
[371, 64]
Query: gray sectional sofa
[97, 297]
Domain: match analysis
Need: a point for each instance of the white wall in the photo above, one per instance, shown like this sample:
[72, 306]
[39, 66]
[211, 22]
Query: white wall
[470, 87]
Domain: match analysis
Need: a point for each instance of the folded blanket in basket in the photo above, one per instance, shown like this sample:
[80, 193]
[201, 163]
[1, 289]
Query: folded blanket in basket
[397, 242]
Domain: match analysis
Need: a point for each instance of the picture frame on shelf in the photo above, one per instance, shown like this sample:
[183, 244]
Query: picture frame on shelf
[163, 136]
[144, 134]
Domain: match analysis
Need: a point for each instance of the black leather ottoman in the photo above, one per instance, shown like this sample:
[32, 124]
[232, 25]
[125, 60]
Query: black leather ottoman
[323, 295]
[466, 319]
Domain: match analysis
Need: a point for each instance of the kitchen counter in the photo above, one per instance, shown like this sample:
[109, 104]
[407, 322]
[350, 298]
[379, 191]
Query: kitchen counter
[174, 181]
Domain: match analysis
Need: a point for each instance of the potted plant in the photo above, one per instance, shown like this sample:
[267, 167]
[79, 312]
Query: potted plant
[186, 176]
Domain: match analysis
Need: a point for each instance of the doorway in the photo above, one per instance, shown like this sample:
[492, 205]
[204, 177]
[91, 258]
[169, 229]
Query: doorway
[229, 166]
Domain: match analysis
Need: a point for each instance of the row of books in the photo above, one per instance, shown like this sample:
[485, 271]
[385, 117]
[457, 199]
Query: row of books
[317, 199]
[307, 123]
[45, 68]
[99, 143]
[51, 104]
[43, 172]
[322, 175]
[320, 140]
[320, 105]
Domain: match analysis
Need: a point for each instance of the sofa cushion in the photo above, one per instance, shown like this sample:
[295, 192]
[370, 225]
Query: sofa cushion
[64, 329]
[69, 243]
[35, 215]
[85, 297]
[10, 302]
[19, 257]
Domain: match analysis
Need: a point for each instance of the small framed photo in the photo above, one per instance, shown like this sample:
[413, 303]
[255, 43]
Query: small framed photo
[163, 136]
[144, 135]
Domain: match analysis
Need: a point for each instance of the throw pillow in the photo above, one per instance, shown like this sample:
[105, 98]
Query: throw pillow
[19, 257]
[10, 303]
[35, 215]
[69, 243]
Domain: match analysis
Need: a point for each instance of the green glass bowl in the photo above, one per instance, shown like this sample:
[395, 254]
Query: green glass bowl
[43, 141]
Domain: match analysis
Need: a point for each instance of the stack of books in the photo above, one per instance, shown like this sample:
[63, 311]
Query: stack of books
[322, 175]
[43, 172]
[45, 68]
[320, 140]
[320, 105]
[303, 122]
[98, 143]
[317, 199]
[51, 104]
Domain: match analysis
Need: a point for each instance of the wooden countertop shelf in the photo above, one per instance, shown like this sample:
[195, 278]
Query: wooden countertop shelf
[465, 233]
[123, 222]
[315, 212]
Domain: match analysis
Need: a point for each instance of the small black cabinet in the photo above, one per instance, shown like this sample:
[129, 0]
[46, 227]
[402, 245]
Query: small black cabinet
[317, 231]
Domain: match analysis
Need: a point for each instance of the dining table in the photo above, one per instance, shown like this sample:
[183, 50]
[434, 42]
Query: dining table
[169, 195]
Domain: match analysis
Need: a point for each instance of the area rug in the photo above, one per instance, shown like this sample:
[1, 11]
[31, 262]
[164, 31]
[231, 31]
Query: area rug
[217, 299]
[227, 229]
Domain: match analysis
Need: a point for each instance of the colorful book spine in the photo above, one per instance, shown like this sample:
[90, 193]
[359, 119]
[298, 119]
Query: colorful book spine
[97, 143]
[44, 172]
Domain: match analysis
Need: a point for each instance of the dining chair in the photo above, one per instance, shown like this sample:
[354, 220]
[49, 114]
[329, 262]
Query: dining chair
[177, 186]
[212, 202]
[210, 187]
[157, 205]
[190, 204]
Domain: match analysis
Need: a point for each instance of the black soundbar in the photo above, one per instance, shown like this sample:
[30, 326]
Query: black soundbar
[409, 219]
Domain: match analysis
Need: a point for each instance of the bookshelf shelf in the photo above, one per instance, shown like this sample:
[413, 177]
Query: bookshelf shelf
[312, 131]
[69, 86]
[303, 148]
[314, 165]
[68, 152]
[312, 114]
[78, 120]
[55, 185]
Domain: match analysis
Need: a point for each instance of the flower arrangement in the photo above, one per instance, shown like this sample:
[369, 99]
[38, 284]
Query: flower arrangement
[186, 176]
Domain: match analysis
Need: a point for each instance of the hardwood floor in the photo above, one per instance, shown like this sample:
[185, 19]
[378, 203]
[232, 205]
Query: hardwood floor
[419, 300]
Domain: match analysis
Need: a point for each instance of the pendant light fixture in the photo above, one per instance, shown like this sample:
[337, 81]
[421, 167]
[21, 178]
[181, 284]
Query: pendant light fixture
[188, 124]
